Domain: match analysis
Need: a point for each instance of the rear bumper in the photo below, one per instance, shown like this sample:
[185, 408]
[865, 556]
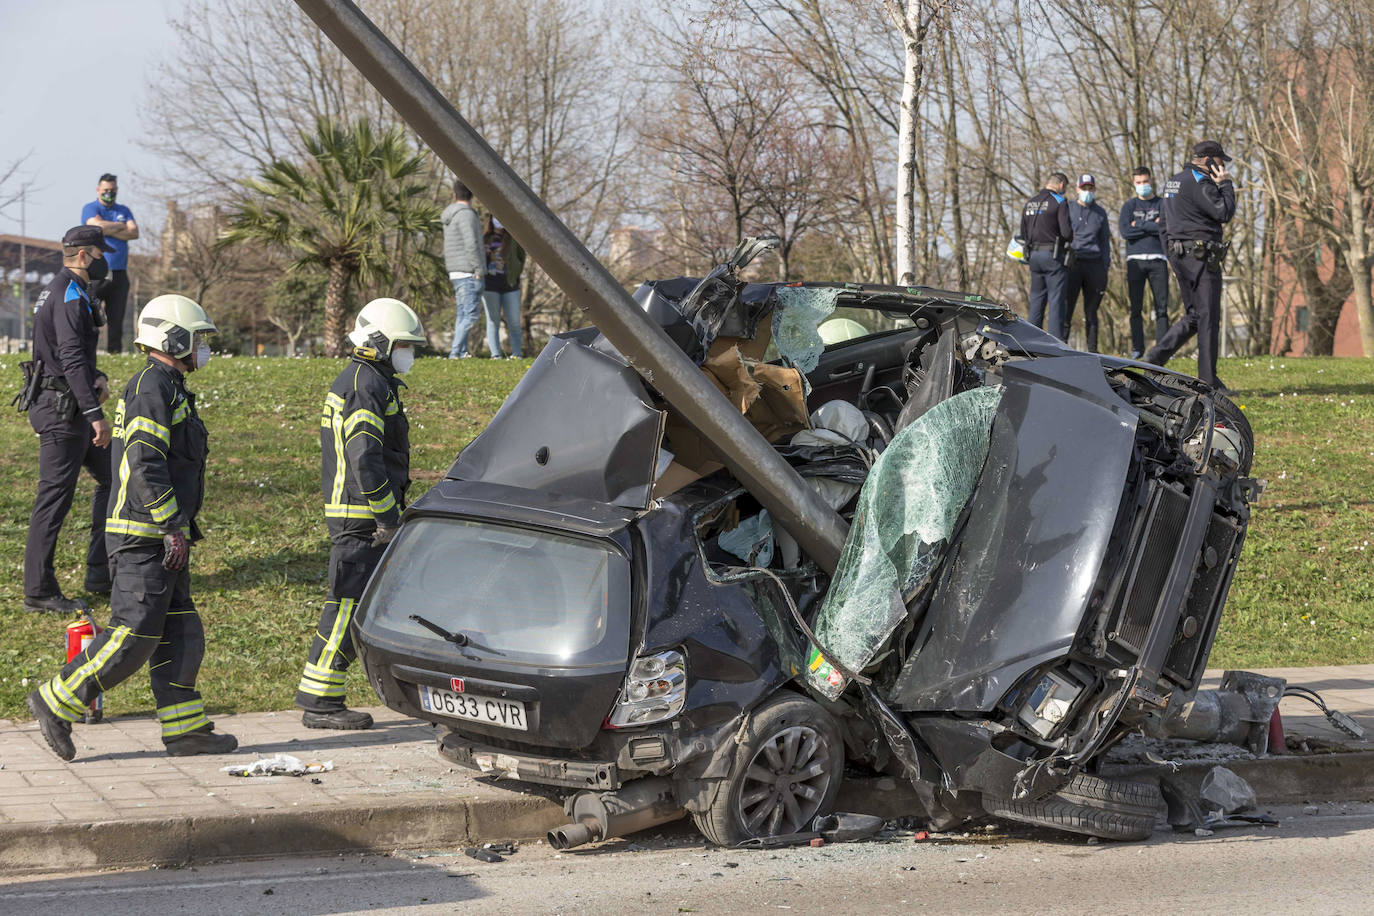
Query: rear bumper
[551, 771]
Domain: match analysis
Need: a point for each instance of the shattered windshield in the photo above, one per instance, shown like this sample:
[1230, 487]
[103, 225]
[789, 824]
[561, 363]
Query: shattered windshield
[906, 513]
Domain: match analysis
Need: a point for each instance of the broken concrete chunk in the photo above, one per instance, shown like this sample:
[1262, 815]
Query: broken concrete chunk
[1223, 790]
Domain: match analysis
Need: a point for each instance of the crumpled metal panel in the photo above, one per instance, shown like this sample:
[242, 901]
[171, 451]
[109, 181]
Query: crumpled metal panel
[579, 424]
[1022, 571]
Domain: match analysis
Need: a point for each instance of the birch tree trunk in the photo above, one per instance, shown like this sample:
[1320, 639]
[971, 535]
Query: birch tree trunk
[1360, 259]
[909, 22]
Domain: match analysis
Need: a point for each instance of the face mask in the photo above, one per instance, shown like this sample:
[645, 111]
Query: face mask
[108, 197]
[1144, 190]
[97, 269]
[1085, 197]
[202, 354]
[402, 359]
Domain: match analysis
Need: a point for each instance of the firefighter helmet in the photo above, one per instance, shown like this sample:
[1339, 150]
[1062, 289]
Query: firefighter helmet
[383, 323]
[170, 323]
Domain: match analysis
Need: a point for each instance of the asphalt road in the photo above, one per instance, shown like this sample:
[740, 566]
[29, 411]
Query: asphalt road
[1319, 863]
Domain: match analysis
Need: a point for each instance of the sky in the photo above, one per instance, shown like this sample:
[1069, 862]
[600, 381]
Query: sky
[73, 75]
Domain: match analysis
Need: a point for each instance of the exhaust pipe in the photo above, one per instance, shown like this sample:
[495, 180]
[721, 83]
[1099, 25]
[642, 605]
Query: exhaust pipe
[597, 816]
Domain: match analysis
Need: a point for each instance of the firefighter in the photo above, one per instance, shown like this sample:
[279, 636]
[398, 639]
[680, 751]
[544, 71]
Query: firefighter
[365, 471]
[159, 453]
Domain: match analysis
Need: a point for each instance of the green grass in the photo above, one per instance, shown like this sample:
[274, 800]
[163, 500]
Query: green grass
[1302, 595]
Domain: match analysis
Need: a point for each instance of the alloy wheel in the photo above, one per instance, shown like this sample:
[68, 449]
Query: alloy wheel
[785, 782]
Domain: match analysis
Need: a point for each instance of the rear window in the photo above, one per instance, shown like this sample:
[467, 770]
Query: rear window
[517, 594]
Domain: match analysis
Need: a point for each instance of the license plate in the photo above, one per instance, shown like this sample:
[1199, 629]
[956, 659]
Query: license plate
[475, 708]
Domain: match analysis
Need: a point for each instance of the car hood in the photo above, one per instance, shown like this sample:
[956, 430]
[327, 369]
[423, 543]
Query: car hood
[1018, 580]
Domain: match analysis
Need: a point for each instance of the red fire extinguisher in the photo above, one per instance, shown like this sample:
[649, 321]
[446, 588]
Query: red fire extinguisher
[80, 633]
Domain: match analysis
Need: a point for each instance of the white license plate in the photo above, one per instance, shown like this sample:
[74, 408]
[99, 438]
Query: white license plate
[488, 710]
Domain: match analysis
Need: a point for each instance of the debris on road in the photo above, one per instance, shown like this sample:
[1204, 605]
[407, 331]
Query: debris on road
[1227, 792]
[278, 765]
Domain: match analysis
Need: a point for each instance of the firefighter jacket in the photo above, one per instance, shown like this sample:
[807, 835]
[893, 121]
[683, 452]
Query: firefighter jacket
[158, 455]
[364, 449]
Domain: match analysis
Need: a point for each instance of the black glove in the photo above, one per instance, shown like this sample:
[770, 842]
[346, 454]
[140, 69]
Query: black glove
[176, 550]
[384, 534]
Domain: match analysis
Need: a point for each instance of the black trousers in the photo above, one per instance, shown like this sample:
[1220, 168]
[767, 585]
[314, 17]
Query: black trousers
[116, 301]
[1049, 286]
[1090, 279]
[152, 621]
[1154, 271]
[1199, 284]
[64, 448]
[351, 562]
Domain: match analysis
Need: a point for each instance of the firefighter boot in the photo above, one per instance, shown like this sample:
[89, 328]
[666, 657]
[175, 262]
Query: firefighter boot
[350, 719]
[201, 741]
[57, 732]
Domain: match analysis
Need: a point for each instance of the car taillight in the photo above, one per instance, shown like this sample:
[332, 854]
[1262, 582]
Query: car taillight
[654, 691]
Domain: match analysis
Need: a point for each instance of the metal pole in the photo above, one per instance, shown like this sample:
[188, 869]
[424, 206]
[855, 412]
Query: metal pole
[23, 266]
[793, 504]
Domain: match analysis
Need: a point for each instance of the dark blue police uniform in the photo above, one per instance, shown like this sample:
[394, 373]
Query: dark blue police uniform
[1195, 209]
[64, 341]
[1046, 232]
[1092, 248]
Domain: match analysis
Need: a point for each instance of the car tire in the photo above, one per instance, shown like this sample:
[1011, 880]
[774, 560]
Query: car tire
[1113, 809]
[786, 736]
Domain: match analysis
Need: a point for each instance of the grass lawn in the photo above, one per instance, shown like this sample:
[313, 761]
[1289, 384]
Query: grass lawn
[1302, 595]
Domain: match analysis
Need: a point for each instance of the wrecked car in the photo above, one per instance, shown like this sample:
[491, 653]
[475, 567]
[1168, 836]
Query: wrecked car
[1041, 545]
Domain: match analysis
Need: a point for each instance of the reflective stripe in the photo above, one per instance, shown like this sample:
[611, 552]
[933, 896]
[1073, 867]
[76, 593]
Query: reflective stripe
[125, 526]
[91, 667]
[165, 511]
[393, 407]
[324, 674]
[383, 505]
[151, 427]
[334, 408]
[336, 635]
[57, 706]
[319, 681]
[343, 510]
[358, 418]
[181, 412]
[181, 718]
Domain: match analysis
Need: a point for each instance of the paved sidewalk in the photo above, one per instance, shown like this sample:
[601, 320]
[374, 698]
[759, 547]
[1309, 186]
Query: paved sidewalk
[123, 801]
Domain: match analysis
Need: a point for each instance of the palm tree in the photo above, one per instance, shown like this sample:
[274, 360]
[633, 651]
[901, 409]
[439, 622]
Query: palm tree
[356, 206]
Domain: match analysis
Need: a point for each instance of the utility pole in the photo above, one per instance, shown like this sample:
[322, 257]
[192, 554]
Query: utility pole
[23, 267]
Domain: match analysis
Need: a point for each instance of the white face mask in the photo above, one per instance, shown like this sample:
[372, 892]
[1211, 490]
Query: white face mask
[202, 354]
[402, 358]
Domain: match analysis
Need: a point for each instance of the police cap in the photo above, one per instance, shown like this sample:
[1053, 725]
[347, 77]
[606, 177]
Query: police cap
[1210, 148]
[81, 236]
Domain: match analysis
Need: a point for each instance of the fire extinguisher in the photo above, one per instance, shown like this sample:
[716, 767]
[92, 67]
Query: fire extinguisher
[80, 633]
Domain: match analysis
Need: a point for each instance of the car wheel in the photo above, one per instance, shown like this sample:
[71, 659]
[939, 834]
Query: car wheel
[787, 769]
[1113, 809]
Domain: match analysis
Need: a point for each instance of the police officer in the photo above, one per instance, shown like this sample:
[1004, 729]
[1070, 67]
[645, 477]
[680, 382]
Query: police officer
[1092, 259]
[160, 449]
[1198, 201]
[365, 471]
[1046, 232]
[66, 415]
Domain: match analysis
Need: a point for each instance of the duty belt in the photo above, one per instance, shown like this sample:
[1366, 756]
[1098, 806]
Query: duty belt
[1201, 249]
[54, 383]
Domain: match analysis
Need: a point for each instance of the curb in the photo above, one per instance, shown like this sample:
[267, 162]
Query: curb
[168, 842]
[1283, 780]
[387, 827]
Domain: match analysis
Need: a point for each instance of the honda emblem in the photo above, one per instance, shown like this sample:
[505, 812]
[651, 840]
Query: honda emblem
[457, 683]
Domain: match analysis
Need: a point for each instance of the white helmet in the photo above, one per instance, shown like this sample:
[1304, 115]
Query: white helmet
[383, 323]
[170, 323]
